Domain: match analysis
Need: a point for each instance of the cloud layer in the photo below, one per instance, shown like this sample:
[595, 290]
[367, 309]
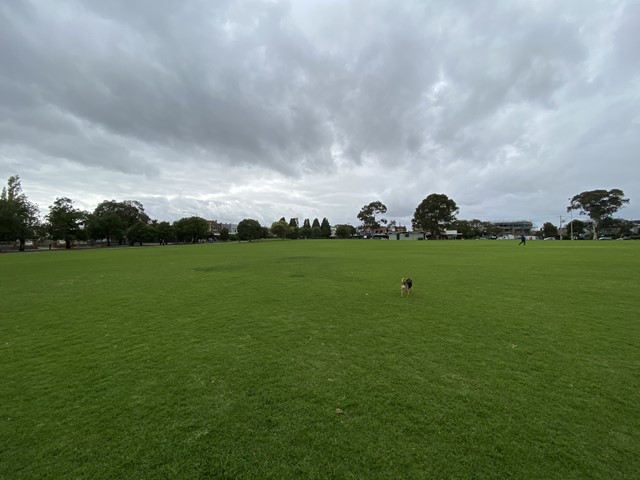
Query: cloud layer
[263, 109]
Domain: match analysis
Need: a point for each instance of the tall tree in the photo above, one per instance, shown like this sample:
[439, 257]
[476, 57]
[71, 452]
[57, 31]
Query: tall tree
[280, 229]
[105, 225]
[576, 227]
[140, 232]
[549, 230]
[293, 229]
[65, 221]
[325, 228]
[113, 219]
[191, 229]
[305, 230]
[470, 228]
[345, 231]
[164, 231]
[598, 205]
[464, 228]
[249, 229]
[367, 215]
[18, 216]
[434, 214]
[624, 227]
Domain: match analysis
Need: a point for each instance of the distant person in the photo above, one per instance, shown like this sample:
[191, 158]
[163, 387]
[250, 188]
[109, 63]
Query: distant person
[523, 240]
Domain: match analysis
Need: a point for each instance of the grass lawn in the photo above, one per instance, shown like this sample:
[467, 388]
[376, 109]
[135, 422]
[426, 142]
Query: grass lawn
[299, 359]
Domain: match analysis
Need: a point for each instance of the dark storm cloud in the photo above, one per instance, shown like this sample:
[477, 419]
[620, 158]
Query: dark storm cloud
[240, 81]
[181, 78]
[323, 99]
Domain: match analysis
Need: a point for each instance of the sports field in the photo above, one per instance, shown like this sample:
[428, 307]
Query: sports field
[299, 360]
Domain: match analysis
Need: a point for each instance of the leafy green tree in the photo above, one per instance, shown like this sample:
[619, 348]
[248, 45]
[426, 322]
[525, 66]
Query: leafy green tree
[549, 230]
[113, 219]
[434, 214]
[325, 228]
[625, 227]
[345, 231]
[105, 225]
[280, 229]
[464, 228]
[152, 231]
[305, 230]
[316, 232]
[293, 229]
[598, 205]
[249, 229]
[470, 228]
[140, 232]
[367, 215]
[65, 221]
[616, 227]
[164, 232]
[224, 234]
[191, 229]
[316, 223]
[18, 216]
[478, 227]
[576, 226]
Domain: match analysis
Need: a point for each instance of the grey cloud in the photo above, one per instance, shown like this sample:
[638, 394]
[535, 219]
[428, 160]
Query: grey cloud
[474, 99]
[212, 99]
[626, 52]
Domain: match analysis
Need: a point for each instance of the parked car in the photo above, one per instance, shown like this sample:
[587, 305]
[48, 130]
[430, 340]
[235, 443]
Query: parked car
[549, 238]
[604, 238]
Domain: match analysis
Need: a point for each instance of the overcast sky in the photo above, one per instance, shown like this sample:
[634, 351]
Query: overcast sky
[313, 108]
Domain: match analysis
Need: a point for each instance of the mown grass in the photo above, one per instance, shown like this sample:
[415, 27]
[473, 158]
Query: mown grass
[299, 359]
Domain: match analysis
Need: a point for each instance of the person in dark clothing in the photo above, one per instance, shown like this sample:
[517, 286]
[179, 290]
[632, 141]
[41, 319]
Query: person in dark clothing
[523, 240]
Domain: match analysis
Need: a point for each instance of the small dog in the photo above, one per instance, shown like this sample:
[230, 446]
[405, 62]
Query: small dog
[406, 287]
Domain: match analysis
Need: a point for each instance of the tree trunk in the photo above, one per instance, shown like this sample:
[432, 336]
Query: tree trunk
[595, 234]
[21, 247]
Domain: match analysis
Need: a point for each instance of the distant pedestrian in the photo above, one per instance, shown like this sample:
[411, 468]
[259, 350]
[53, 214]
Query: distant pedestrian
[523, 240]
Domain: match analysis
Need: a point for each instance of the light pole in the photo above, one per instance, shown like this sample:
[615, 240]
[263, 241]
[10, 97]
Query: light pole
[560, 231]
[571, 212]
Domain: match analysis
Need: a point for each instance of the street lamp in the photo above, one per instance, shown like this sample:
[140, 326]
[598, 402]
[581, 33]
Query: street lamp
[571, 212]
[560, 231]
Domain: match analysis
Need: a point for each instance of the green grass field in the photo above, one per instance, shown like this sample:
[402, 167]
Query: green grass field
[299, 359]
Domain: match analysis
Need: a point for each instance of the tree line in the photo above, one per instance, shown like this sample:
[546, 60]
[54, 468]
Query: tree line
[437, 212]
[126, 221]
